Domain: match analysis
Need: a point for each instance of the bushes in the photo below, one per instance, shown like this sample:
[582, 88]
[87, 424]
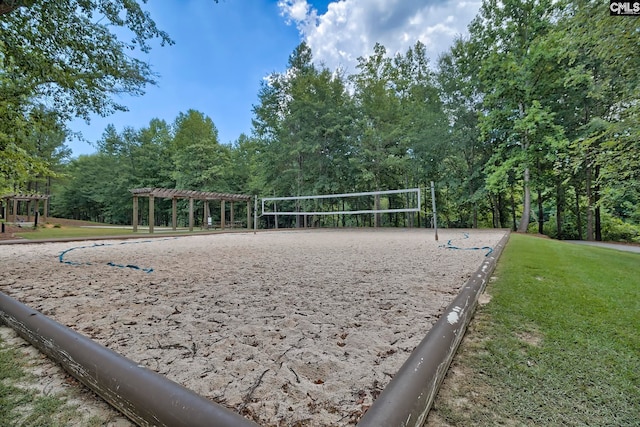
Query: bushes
[615, 229]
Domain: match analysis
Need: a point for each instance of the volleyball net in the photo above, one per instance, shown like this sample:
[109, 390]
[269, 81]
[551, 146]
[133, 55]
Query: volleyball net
[372, 202]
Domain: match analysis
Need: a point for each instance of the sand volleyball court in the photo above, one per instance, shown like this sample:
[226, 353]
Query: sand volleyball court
[285, 327]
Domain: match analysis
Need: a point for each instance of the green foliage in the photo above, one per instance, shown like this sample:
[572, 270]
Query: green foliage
[463, 169]
[65, 52]
[199, 161]
[534, 114]
[615, 229]
[554, 88]
[304, 126]
[63, 55]
[186, 156]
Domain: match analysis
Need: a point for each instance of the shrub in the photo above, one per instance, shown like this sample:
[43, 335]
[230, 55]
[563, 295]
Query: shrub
[615, 229]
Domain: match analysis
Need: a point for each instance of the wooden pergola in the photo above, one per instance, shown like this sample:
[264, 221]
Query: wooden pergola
[191, 195]
[14, 199]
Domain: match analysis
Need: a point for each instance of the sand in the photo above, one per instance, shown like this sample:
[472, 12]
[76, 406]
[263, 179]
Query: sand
[285, 327]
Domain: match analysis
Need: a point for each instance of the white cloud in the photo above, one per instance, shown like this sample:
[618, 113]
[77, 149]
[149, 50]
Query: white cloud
[298, 11]
[350, 28]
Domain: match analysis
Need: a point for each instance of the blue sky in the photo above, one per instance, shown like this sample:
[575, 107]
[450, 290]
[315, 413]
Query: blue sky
[223, 51]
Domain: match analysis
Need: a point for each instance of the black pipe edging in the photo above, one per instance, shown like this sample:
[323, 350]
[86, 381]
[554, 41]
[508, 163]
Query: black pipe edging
[407, 399]
[144, 396]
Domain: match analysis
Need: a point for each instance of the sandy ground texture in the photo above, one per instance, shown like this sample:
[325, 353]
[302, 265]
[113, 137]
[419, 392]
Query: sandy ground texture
[286, 327]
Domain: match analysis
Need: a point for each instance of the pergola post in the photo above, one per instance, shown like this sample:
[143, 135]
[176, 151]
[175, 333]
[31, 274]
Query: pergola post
[134, 219]
[151, 213]
[248, 215]
[176, 194]
[174, 213]
[222, 214]
[190, 213]
[45, 210]
[206, 214]
[232, 217]
[10, 206]
[36, 212]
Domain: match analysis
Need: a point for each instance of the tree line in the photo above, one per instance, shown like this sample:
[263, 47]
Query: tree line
[530, 122]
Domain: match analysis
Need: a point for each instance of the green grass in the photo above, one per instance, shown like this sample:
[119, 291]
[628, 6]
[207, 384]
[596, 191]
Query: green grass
[73, 232]
[66, 232]
[559, 343]
[23, 406]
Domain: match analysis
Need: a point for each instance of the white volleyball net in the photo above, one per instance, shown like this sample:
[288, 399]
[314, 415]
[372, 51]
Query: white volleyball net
[351, 204]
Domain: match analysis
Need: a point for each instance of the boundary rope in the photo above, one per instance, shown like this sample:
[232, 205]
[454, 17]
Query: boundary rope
[448, 245]
[62, 255]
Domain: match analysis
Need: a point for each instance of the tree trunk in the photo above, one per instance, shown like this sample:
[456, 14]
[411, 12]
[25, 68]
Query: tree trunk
[559, 208]
[513, 209]
[409, 215]
[526, 204]
[495, 212]
[596, 199]
[589, 204]
[474, 208]
[8, 6]
[578, 212]
[502, 218]
[540, 213]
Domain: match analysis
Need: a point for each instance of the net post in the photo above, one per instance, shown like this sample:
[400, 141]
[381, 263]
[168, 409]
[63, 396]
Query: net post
[255, 214]
[433, 204]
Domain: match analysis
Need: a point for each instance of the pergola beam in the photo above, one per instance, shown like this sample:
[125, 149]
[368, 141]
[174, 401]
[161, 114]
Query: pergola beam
[167, 193]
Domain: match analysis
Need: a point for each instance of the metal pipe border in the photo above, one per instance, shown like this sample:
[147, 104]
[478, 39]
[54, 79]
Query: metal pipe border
[144, 396]
[407, 399]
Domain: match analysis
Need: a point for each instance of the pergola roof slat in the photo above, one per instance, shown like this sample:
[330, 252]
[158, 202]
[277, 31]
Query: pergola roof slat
[187, 194]
[25, 197]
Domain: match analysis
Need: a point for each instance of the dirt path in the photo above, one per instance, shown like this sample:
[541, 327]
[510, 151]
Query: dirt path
[288, 328]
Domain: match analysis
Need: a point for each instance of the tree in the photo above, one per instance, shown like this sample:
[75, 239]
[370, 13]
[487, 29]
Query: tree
[47, 144]
[96, 189]
[512, 79]
[199, 161]
[599, 54]
[378, 154]
[303, 124]
[64, 57]
[153, 154]
[466, 157]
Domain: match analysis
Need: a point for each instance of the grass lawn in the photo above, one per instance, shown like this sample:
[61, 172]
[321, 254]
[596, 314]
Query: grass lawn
[65, 232]
[22, 405]
[71, 231]
[558, 343]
